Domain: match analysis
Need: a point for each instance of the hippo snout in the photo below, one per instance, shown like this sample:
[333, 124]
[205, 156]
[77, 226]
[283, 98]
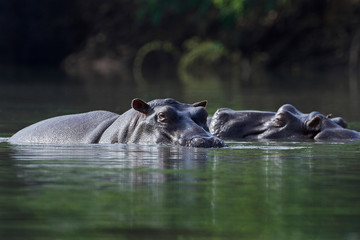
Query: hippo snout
[210, 142]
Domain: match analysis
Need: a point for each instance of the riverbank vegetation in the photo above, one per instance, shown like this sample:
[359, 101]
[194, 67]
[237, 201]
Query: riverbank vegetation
[110, 38]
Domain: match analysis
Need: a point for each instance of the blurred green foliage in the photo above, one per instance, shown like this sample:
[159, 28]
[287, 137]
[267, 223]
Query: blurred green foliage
[229, 11]
[106, 34]
[159, 9]
[207, 51]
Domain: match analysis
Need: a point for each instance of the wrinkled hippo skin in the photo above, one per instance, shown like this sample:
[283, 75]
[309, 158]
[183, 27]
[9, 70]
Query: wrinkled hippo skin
[161, 121]
[287, 123]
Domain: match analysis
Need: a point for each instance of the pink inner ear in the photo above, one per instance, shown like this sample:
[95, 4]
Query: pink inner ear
[315, 123]
[200, 104]
[140, 105]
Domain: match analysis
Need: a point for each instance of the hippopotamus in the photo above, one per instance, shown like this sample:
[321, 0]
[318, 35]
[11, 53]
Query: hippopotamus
[288, 123]
[161, 121]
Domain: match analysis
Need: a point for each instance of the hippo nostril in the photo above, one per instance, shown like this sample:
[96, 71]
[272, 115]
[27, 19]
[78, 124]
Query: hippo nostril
[219, 143]
[199, 142]
[206, 142]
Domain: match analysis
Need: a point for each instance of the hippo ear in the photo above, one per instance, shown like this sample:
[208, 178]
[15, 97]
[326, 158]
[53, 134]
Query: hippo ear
[314, 124]
[140, 105]
[200, 104]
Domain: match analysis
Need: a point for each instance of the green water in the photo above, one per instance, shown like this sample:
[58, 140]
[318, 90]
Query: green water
[250, 190]
[269, 190]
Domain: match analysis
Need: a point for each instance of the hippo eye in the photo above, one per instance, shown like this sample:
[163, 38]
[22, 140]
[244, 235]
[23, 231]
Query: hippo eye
[161, 117]
[279, 120]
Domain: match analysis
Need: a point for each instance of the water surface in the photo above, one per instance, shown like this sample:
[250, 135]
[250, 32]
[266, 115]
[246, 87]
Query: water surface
[250, 190]
[268, 190]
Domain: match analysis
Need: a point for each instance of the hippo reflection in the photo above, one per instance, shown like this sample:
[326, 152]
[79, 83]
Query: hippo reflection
[287, 123]
[161, 121]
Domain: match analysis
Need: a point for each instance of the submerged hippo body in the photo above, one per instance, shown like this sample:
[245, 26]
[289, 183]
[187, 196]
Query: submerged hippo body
[287, 123]
[161, 121]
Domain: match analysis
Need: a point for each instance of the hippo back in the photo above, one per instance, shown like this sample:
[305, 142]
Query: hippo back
[75, 128]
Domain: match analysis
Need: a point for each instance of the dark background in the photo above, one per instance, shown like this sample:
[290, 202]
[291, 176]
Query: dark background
[287, 34]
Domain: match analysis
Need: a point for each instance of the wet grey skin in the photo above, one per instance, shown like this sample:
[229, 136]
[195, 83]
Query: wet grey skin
[161, 121]
[288, 123]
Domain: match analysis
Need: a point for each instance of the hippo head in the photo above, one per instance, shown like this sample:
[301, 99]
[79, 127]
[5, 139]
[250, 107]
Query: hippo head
[287, 123]
[167, 121]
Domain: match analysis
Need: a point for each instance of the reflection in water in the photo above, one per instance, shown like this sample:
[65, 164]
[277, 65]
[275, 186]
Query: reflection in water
[112, 156]
[260, 190]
